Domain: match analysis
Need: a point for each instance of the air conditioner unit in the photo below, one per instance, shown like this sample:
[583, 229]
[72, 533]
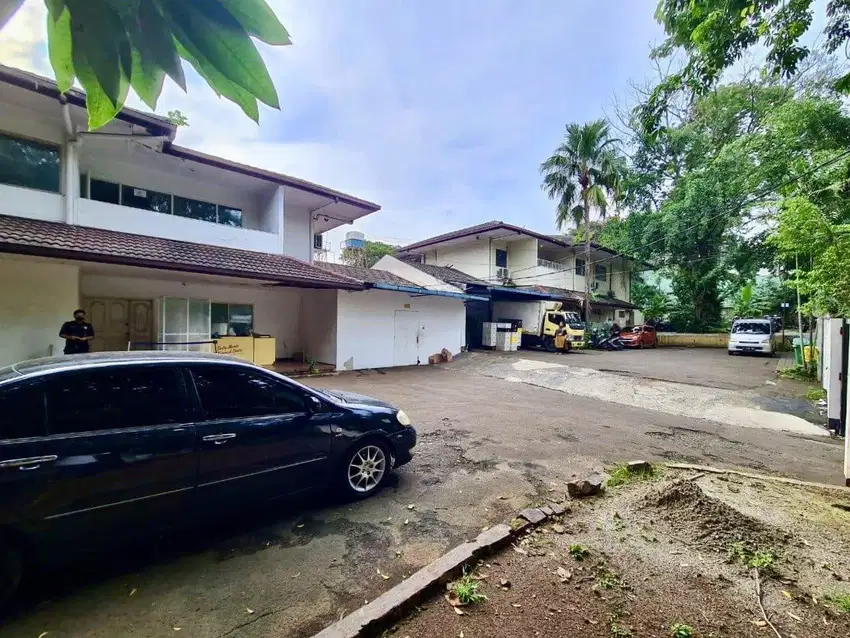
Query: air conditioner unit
[503, 273]
[317, 241]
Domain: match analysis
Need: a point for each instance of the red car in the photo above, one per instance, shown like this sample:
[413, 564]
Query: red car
[639, 337]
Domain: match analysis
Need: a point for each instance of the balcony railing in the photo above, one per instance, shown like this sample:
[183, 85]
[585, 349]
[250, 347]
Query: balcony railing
[552, 265]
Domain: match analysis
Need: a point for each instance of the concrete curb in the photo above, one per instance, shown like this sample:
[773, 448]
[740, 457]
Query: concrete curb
[394, 603]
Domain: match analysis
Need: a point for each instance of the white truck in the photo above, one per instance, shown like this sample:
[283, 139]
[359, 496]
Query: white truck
[541, 322]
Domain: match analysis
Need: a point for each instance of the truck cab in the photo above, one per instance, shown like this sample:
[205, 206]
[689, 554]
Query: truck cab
[568, 323]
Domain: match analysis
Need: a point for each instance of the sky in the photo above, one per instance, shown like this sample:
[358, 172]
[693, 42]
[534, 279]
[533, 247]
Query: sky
[439, 111]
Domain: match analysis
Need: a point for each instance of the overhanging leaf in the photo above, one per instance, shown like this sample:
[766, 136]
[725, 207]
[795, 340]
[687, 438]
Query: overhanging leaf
[94, 35]
[224, 44]
[59, 49]
[257, 18]
[155, 40]
[8, 8]
[146, 78]
[220, 84]
[55, 8]
[100, 106]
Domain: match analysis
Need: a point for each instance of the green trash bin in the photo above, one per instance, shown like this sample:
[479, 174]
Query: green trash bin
[798, 351]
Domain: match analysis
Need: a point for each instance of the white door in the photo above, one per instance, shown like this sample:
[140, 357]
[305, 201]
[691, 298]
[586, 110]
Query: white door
[406, 338]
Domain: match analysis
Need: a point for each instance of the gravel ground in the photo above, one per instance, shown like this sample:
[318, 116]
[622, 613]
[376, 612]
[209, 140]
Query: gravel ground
[657, 557]
[487, 448]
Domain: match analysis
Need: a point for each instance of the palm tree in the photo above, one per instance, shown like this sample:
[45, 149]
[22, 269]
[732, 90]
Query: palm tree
[584, 171]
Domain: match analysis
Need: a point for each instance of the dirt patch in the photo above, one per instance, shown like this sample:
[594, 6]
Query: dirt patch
[655, 555]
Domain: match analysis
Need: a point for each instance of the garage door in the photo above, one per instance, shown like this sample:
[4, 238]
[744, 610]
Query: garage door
[406, 338]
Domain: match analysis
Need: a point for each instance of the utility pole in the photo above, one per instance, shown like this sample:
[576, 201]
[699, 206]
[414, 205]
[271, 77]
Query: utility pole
[799, 312]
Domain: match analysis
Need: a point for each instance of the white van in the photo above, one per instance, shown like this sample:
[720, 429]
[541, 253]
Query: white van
[752, 335]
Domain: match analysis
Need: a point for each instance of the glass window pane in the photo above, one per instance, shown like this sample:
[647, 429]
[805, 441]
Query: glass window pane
[241, 319]
[120, 397]
[199, 316]
[175, 315]
[219, 317]
[104, 191]
[145, 199]
[21, 411]
[580, 267]
[230, 216]
[29, 164]
[501, 258]
[84, 185]
[194, 209]
[601, 273]
[229, 393]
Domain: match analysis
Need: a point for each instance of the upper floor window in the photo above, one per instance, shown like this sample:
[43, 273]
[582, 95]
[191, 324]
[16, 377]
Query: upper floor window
[601, 272]
[580, 267]
[29, 164]
[501, 258]
[146, 199]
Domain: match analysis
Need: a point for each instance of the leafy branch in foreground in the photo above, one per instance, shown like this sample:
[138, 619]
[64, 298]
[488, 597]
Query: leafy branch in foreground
[111, 45]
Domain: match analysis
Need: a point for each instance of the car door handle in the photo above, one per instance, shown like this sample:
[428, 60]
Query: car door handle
[218, 439]
[31, 463]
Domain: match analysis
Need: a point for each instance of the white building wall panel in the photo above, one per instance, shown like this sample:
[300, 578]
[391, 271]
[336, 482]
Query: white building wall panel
[319, 325]
[38, 297]
[474, 258]
[276, 310]
[365, 325]
[297, 237]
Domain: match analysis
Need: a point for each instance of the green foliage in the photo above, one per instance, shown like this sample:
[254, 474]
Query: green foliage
[840, 601]
[606, 579]
[714, 34]
[761, 559]
[466, 589]
[815, 394]
[618, 631]
[624, 474]
[368, 257]
[177, 118]
[110, 46]
[798, 373]
[680, 630]
[578, 552]
[652, 301]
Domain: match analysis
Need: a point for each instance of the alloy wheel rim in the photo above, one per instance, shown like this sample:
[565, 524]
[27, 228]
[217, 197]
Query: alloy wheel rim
[367, 469]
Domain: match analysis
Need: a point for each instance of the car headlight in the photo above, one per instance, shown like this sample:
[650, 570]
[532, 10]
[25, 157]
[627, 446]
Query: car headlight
[402, 418]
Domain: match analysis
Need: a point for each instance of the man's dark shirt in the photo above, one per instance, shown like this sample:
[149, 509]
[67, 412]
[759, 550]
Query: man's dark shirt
[76, 329]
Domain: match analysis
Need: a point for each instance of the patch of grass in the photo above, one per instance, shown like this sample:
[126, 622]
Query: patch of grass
[839, 600]
[815, 394]
[623, 474]
[798, 373]
[579, 552]
[762, 559]
[681, 631]
[606, 579]
[620, 632]
[466, 589]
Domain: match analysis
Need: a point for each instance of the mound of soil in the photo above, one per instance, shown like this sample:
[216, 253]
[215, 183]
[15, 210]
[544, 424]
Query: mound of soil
[708, 523]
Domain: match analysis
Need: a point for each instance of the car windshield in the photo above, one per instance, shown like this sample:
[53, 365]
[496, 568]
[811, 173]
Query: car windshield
[751, 328]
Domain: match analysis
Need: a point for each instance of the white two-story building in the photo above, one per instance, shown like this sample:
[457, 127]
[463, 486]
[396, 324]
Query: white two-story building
[525, 264]
[162, 244]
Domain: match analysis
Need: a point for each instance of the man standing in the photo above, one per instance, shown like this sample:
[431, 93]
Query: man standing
[77, 333]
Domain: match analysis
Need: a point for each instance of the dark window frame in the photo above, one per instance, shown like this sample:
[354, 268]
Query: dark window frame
[581, 267]
[206, 416]
[501, 253]
[600, 275]
[188, 408]
[48, 146]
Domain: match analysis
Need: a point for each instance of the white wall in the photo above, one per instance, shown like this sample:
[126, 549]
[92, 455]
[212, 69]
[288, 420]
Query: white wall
[366, 323]
[35, 204]
[276, 310]
[38, 297]
[474, 258]
[142, 222]
[319, 325]
[297, 238]
[522, 256]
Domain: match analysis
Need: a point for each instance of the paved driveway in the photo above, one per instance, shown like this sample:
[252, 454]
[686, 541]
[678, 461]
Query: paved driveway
[488, 446]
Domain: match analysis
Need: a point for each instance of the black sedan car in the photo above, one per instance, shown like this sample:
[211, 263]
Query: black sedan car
[104, 446]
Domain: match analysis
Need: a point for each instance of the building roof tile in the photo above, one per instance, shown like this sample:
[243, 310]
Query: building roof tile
[68, 241]
[368, 275]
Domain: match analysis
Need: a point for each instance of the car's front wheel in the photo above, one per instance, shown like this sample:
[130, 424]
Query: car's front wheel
[365, 468]
[11, 570]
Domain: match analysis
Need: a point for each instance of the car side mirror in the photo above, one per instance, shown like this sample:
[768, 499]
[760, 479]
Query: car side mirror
[314, 405]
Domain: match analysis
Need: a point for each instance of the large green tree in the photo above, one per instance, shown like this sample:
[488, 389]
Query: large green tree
[369, 256]
[109, 46]
[580, 176]
[714, 34]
